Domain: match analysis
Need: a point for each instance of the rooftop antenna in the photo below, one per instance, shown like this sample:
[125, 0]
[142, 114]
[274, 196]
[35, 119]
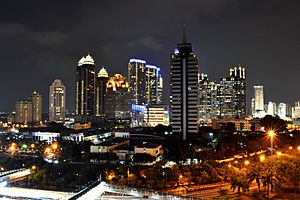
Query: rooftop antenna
[184, 34]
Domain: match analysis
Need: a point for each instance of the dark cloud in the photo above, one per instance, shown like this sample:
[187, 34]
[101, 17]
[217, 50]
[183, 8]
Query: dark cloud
[43, 40]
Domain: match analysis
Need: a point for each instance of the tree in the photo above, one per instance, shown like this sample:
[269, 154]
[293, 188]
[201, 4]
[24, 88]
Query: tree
[255, 173]
[273, 123]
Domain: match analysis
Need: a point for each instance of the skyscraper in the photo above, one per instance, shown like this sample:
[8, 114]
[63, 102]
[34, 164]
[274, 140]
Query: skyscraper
[259, 97]
[36, 100]
[137, 81]
[208, 101]
[57, 101]
[232, 94]
[24, 112]
[100, 92]
[145, 82]
[238, 76]
[271, 108]
[184, 90]
[259, 101]
[153, 87]
[117, 99]
[281, 110]
[85, 87]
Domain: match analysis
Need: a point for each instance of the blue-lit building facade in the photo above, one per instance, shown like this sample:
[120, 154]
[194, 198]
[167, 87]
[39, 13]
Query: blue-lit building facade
[146, 88]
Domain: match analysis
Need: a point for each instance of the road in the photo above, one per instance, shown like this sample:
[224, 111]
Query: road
[214, 192]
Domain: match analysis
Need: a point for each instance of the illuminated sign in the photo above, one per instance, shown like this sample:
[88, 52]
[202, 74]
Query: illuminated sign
[137, 107]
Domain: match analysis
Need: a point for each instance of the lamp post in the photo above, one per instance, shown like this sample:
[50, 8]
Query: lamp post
[271, 134]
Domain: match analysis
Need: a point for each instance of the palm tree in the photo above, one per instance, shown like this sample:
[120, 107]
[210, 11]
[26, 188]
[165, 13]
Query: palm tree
[239, 182]
[255, 173]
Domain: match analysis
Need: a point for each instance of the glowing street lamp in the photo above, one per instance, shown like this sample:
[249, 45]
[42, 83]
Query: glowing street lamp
[54, 145]
[262, 158]
[298, 148]
[271, 134]
[247, 162]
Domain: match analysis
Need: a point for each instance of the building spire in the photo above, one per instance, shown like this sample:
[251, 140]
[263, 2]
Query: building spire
[184, 34]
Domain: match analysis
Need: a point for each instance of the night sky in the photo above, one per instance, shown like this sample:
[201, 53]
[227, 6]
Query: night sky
[43, 40]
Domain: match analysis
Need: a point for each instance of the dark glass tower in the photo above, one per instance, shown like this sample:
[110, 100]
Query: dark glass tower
[184, 90]
[100, 92]
[85, 87]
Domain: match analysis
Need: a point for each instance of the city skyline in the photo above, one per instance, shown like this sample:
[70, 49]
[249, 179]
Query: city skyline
[262, 36]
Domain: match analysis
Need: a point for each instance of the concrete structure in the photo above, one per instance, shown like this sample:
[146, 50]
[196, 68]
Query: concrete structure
[36, 100]
[184, 90]
[57, 102]
[149, 148]
[240, 124]
[45, 136]
[156, 114]
[109, 146]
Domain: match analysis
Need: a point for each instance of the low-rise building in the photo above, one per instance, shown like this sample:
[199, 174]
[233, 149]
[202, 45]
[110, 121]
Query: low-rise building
[149, 148]
[108, 146]
[247, 124]
[45, 136]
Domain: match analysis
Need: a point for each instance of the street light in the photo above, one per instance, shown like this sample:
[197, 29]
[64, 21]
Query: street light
[271, 134]
[262, 158]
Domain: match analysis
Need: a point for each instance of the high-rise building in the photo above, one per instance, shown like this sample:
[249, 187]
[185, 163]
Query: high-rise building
[160, 90]
[100, 92]
[137, 81]
[117, 99]
[232, 94]
[238, 75]
[85, 87]
[259, 97]
[208, 101]
[24, 112]
[184, 90]
[272, 109]
[36, 100]
[281, 110]
[57, 101]
[145, 82]
[259, 101]
[296, 110]
[153, 88]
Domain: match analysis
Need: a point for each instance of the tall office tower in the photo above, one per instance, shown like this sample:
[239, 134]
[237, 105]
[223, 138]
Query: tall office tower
[137, 81]
[252, 107]
[296, 110]
[160, 90]
[36, 100]
[272, 110]
[208, 102]
[184, 90]
[100, 92]
[259, 97]
[24, 112]
[117, 99]
[85, 87]
[153, 77]
[57, 102]
[259, 101]
[232, 94]
[238, 76]
[281, 111]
